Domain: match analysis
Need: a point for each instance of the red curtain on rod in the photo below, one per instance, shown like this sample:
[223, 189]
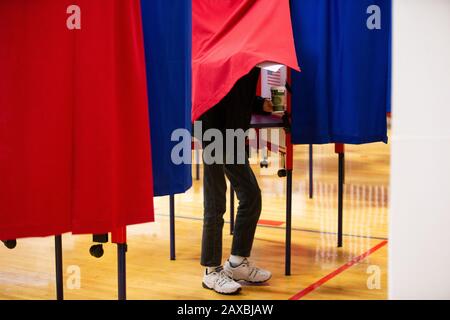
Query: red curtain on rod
[74, 133]
[229, 38]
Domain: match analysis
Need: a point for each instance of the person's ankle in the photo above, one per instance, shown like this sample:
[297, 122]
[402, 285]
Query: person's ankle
[236, 261]
[211, 269]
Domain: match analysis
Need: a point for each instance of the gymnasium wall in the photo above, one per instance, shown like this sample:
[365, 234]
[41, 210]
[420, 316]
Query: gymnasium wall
[419, 262]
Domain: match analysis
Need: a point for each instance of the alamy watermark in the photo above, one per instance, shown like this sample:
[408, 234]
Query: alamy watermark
[73, 21]
[73, 277]
[74, 17]
[228, 146]
[374, 278]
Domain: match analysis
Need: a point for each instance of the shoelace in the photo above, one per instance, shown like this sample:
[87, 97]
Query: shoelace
[225, 276]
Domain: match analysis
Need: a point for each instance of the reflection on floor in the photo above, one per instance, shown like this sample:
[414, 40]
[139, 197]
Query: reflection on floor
[320, 270]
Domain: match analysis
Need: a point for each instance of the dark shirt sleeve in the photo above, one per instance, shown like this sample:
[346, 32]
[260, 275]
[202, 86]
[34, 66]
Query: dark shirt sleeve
[258, 106]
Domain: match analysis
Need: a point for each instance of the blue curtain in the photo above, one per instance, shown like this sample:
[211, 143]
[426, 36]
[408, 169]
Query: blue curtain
[167, 35]
[343, 92]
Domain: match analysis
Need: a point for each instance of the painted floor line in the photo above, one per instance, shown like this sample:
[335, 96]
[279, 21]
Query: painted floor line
[271, 223]
[293, 229]
[336, 272]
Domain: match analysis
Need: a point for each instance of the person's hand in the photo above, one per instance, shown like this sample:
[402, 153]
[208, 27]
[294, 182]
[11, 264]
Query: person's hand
[268, 106]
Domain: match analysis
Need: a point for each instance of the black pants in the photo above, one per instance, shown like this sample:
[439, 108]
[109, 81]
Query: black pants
[233, 112]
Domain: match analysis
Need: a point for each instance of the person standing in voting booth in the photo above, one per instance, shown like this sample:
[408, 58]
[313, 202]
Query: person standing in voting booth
[232, 113]
[229, 39]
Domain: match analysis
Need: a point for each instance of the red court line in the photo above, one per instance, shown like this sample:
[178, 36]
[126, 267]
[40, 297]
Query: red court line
[270, 223]
[333, 274]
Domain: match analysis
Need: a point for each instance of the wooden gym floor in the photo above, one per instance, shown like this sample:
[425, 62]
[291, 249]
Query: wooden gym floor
[319, 269]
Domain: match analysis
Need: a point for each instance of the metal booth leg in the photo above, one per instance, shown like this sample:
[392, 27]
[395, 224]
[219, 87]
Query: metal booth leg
[311, 171]
[172, 227]
[120, 238]
[340, 151]
[59, 268]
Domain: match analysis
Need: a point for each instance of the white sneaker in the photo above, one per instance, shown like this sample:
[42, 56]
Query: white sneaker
[248, 272]
[221, 281]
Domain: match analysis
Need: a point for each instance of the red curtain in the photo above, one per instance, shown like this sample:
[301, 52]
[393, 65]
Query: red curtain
[229, 38]
[74, 134]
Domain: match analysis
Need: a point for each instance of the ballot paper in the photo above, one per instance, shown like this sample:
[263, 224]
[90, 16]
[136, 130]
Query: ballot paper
[270, 66]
